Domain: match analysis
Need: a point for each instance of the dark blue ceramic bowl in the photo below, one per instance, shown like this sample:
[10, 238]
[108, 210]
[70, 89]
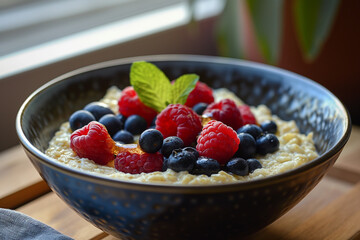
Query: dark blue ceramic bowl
[153, 211]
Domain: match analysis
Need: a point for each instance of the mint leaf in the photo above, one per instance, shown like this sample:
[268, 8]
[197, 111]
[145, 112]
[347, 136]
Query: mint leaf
[182, 88]
[151, 85]
[154, 88]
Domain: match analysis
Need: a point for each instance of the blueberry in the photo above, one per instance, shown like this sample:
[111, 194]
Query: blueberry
[98, 109]
[247, 146]
[122, 118]
[238, 166]
[112, 123]
[269, 126]
[79, 119]
[165, 164]
[252, 129]
[267, 143]
[181, 160]
[206, 166]
[199, 108]
[135, 124]
[124, 137]
[253, 164]
[151, 140]
[171, 143]
[153, 123]
[192, 151]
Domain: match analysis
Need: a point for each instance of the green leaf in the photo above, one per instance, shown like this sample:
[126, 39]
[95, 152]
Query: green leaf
[151, 84]
[313, 21]
[267, 19]
[182, 88]
[229, 29]
[154, 88]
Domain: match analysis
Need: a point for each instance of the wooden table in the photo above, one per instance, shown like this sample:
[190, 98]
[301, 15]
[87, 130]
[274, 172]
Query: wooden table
[330, 211]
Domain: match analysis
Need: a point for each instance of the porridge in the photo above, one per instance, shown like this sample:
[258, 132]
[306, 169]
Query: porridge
[294, 150]
[179, 132]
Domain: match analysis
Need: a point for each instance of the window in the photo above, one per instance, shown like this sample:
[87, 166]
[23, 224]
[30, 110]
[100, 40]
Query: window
[53, 30]
[42, 39]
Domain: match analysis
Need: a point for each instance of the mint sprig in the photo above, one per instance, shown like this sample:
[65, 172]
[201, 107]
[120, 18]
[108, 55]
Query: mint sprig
[154, 88]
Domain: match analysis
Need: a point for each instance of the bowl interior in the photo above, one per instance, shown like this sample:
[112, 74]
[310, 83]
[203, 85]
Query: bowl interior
[288, 95]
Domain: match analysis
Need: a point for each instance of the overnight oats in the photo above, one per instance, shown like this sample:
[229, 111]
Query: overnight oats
[178, 132]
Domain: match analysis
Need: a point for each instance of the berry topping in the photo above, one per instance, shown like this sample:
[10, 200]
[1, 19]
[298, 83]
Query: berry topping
[135, 124]
[170, 144]
[247, 146]
[181, 160]
[192, 151]
[252, 129]
[179, 120]
[180, 114]
[93, 142]
[134, 163]
[238, 166]
[269, 126]
[206, 166]
[153, 122]
[130, 104]
[225, 111]
[122, 118]
[246, 114]
[253, 164]
[199, 108]
[124, 137]
[151, 140]
[201, 93]
[112, 123]
[80, 118]
[165, 164]
[267, 143]
[98, 109]
[217, 141]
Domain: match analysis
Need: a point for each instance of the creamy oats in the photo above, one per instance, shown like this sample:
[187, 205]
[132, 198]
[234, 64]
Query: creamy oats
[295, 150]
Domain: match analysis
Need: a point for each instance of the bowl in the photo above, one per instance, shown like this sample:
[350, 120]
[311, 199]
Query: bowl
[131, 210]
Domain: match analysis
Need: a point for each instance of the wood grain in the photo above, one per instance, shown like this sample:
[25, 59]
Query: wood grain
[19, 181]
[339, 220]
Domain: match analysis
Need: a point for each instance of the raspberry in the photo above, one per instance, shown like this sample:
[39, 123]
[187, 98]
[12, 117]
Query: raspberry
[93, 142]
[217, 141]
[201, 93]
[246, 114]
[225, 111]
[134, 163]
[130, 104]
[179, 120]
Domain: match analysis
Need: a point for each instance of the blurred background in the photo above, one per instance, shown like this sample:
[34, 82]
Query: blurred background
[40, 40]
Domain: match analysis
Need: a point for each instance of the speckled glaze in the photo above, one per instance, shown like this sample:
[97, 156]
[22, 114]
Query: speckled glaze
[152, 211]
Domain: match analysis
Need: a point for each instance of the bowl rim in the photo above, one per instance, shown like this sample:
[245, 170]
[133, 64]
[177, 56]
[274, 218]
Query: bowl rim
[172, 188]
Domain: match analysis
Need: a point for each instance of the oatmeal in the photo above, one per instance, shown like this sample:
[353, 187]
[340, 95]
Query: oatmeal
[294, 150]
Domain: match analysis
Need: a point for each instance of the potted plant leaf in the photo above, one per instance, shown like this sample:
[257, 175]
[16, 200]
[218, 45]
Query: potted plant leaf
[315, 38]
